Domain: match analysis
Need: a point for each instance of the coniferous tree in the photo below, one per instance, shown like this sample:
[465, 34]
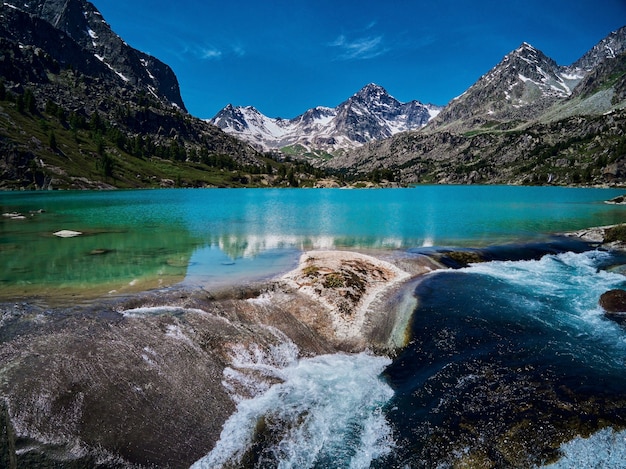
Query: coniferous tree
[51, 107]
[107, 165]
[19, 103]
[95, 122]
[291, 178]
[29, 101]
[100, 147]
[53, 142]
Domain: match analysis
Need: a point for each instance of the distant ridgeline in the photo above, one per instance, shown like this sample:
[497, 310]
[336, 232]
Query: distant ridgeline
[80, 108]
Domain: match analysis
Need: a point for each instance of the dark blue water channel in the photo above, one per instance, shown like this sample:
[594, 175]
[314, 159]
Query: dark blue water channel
[506, 356]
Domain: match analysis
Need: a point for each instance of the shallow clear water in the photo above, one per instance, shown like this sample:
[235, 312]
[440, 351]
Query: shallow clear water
[147, 238]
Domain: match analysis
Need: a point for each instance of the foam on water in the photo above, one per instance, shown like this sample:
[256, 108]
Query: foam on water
[158, 310]
[605, 449]
[562, 291]
[319, 411]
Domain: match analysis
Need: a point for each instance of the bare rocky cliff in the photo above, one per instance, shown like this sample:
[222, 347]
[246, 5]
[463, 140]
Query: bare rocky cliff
[71, 90]
[84, 24]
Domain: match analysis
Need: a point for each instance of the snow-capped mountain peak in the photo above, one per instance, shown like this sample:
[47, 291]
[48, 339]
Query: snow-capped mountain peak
[608, 48]
[521, 86]
[370, 114]
[372, 93]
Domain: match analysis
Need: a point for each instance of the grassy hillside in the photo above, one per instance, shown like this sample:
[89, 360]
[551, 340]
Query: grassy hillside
[47, 147]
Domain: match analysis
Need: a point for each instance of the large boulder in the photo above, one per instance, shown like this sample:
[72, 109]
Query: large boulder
[614, 304]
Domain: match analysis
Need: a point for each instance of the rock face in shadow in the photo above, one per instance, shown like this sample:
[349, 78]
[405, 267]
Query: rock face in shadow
[100, 51]
[139, 382]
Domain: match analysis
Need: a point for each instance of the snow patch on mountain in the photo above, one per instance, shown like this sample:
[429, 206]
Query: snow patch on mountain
[370, 114]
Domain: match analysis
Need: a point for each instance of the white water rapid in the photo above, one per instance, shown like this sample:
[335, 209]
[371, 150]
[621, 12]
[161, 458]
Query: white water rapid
[315, 411]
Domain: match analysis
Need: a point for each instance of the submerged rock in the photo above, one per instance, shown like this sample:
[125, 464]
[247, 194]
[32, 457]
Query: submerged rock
[67, 233]
[619, 318]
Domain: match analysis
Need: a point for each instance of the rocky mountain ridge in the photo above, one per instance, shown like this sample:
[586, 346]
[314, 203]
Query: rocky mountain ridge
[527, 121]
[80, 108]
[523, 86]
[84, 24]
[370, 114]
[612, 46]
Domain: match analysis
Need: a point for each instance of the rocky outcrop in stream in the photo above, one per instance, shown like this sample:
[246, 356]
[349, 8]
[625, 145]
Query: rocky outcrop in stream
[138, 382]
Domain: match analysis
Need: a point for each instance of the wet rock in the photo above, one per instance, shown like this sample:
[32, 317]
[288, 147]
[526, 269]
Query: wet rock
[619, 318]
[145, 387]
[615, 233]
[14, 216]
[614, 301]
[614, 304]
[138, 381]
[461, 258]
[617, 200]
[67, 233]
[611, 237]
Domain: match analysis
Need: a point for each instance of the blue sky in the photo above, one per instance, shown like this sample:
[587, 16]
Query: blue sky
[286, 56]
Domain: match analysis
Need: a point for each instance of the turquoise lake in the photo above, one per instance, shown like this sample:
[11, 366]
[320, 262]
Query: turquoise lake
[134, 240]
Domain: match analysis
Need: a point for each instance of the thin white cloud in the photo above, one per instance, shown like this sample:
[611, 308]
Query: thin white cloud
[238, 50]
[359, 48]
[210, 54]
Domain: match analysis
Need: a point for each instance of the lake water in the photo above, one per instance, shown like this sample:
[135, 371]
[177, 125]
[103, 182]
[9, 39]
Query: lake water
[503, 355]
[140, 239]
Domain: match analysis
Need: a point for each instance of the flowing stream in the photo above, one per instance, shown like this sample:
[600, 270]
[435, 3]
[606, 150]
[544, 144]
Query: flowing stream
[494, 345]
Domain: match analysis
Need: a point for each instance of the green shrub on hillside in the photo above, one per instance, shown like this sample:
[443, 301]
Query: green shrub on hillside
[616, 233]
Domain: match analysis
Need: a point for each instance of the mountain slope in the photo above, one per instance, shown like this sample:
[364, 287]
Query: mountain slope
[113, 113]
[608, 48]
[521, 123]
[83, 23]
[522, 87]
[370, 114]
